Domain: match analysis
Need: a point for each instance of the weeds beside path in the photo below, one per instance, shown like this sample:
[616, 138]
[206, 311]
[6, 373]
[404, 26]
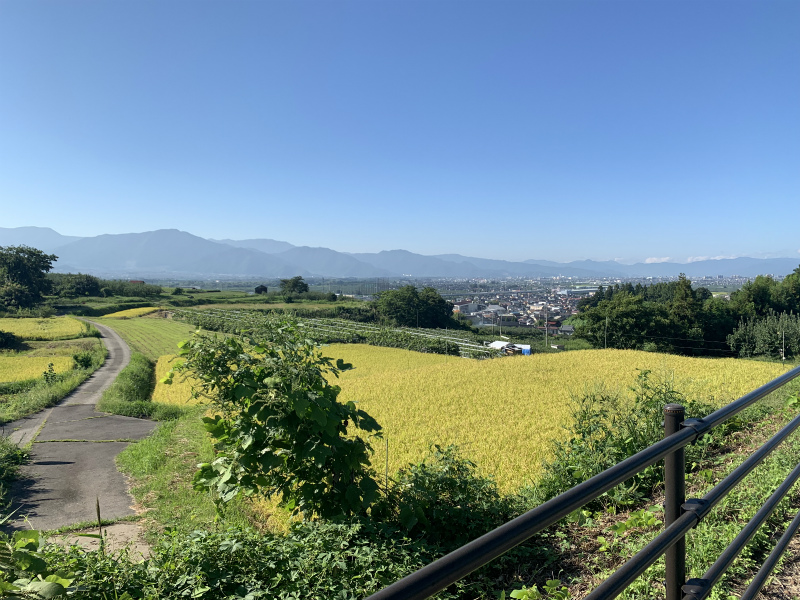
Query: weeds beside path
[72, 452]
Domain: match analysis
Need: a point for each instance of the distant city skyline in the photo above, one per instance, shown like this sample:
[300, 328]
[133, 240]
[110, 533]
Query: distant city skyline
[641, 132]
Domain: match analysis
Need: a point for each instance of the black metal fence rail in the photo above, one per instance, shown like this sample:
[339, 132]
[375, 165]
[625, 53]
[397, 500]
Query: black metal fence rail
[680, 515]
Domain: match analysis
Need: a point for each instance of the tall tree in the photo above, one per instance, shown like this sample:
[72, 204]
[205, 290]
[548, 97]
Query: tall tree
[22, 275]
[627, 322]
[295, 285]
[408, 307]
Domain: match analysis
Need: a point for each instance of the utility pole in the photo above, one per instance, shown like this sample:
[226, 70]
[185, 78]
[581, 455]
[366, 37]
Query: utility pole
[783, 347]
[545, 325]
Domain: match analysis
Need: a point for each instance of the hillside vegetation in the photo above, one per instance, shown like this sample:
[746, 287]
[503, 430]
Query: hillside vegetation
[504, 412]
[496, 411]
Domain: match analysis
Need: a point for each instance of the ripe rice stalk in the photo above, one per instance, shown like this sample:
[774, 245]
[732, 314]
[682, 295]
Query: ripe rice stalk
[51, 328]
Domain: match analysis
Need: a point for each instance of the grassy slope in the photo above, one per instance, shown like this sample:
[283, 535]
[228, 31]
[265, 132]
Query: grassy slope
[130, 394]
[162, 466]
[152, 337]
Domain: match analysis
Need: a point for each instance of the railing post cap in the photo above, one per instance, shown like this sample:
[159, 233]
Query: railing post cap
[674, 408]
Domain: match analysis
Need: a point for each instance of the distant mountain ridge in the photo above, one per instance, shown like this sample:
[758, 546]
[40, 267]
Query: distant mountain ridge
[43, 238]
[171, 253]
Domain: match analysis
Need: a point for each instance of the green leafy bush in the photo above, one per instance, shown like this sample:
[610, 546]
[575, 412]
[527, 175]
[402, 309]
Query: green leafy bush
[130, 393]
[280, 430]
[605, 430]
[83, 359]
[317, 560]
[8, 340]
[24, 572]
[445, 500]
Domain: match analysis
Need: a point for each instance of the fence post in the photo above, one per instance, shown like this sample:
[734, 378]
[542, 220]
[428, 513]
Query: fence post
[675, 491]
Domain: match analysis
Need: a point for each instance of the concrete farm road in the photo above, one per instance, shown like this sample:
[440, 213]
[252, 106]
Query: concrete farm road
[73, 447]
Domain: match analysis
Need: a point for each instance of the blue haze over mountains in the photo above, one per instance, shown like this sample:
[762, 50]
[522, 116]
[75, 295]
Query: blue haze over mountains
[170, 253]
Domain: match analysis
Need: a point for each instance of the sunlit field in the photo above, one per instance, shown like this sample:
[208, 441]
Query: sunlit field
[22, 368]
[504, 412]
[132, 312]
[52, 328]
[179, 391]
[151, 336]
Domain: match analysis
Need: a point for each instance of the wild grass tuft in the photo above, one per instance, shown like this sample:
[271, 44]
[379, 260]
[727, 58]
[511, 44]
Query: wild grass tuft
[130, 393]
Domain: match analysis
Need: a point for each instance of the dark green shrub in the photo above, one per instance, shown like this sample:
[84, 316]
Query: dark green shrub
[316, 561]
[83, 360]
[8, 340]
[444, 500]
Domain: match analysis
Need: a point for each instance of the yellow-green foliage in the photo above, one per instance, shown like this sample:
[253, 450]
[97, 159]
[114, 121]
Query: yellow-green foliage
[20, 368]
[504, 412]
[179, 391]
[151, 337]
[52, 328]
[133, 312]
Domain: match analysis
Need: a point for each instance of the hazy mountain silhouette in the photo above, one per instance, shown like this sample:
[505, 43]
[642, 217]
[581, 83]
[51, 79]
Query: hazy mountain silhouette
[265, 245]
[169, 252]
[175, 254]
[43, 238]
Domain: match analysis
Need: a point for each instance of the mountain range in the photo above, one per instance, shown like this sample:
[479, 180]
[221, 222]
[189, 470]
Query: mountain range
[170, 253]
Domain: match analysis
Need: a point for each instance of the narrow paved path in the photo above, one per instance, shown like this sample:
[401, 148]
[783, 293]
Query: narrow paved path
[73, 448]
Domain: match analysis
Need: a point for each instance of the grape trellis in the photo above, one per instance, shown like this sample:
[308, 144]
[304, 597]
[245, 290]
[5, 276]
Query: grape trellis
[340, 330]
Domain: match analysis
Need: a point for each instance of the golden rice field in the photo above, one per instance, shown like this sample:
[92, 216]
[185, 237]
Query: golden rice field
[21, 368]
[52, 328]
[179, 391]
[133, 312]
[504, 412]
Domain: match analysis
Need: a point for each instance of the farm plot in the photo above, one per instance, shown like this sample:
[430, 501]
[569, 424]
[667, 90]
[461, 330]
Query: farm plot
[24, 368]
[332, 330]
[503, 413]
[52, 328]
[133, 312]
[151, 337]
[179, 392]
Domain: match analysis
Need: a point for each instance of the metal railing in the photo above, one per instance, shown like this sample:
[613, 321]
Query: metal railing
[680, 515]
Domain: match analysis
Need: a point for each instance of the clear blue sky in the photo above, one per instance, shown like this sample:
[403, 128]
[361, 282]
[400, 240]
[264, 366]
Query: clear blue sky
[553, 130]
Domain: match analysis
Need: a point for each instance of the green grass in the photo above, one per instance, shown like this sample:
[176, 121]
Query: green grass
[162, 466]
[130, 393]
[709, 539]
[11, 457]
[152, 337]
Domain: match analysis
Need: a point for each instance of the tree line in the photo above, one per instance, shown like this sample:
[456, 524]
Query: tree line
[674, 317]
[25, 279]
